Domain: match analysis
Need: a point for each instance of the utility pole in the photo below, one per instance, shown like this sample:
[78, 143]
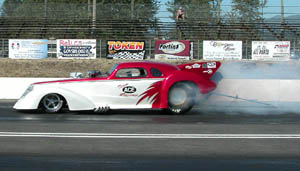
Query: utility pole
[132, 9]
[89, 9]
[282, 19]
[282, 11]
[219, 19]
[94, 16]
[46, 9]
[219, 11]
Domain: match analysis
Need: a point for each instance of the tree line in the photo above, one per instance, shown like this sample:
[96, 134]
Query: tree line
[198, 12]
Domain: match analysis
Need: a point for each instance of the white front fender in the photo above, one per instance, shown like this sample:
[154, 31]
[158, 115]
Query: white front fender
[74, 100]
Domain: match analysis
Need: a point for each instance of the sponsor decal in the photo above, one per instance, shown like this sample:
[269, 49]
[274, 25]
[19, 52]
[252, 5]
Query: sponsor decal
[282, 46]
[261, 50]
[188, 67]
[270, 50]
[209, 71]
[172, 47]
[76, 48]
[225, 46]
[196, 66]
[211, 65]
[28, 48]
[173, 50]
[129, 89]
[118, 49]
[128, 95]
[118, 45]
[161, 57]
[122, 85]
[217, 50]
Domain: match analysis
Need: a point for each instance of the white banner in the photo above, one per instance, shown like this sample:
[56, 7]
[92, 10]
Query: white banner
[76, 48]
[266, 50]
[219, 50]
[28, 48]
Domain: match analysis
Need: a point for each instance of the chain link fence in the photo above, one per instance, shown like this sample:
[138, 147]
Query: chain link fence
[139, 21]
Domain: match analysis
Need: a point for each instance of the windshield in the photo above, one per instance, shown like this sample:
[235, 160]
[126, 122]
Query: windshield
[112, 69]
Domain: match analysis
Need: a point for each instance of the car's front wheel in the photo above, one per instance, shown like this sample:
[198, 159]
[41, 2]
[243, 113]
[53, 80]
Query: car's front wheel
[180, 99]
[52, 103]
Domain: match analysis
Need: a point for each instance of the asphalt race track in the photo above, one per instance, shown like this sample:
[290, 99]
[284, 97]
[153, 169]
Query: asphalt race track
[148, 140]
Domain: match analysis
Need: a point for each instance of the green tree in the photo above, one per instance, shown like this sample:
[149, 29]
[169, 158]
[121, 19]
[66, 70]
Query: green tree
[248, 15]
[126, 19]
[248, 10]
[114, 18]
[106, 9]
[37, 8]
[197, 13]
[9, 7]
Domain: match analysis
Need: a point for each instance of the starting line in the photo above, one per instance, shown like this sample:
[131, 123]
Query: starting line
[150, 136]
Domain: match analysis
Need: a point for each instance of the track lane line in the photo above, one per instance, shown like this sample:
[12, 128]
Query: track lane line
[149, 136]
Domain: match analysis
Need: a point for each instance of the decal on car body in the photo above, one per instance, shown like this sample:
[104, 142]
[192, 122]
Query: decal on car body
[153, 93]
[129, 89]
[196, 66]
[211, 65]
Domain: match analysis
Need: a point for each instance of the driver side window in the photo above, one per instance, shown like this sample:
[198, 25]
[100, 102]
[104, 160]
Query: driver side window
[131, 73]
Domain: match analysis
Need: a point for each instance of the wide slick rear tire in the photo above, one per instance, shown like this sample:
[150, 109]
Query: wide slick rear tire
[181, 98]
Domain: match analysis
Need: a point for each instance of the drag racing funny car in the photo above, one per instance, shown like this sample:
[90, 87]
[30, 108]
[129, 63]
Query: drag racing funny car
[128, 85]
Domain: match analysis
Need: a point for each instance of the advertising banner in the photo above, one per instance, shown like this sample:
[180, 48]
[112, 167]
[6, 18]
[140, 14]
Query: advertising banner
[270, 50]
[28, 48]
[76, 48]
[168, 49]
[123, 49]
[220, 50]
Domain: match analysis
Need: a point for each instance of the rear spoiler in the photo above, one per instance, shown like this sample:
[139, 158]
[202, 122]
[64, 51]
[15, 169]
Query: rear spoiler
[205, 69]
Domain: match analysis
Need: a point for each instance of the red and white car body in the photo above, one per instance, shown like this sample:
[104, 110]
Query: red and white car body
[130, 85]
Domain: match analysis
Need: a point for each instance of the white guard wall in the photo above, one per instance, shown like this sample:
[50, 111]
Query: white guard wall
[13, 88]
[255, 87]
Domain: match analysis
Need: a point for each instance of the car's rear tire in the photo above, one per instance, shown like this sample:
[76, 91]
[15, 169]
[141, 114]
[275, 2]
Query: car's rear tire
[181, 98]
[52, 103]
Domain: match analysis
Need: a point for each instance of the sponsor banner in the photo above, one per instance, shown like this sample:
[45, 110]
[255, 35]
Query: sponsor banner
[123, 49]
[220, 50]
[168, 49]
[76, 48]
[28, 48]
[275, 50]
